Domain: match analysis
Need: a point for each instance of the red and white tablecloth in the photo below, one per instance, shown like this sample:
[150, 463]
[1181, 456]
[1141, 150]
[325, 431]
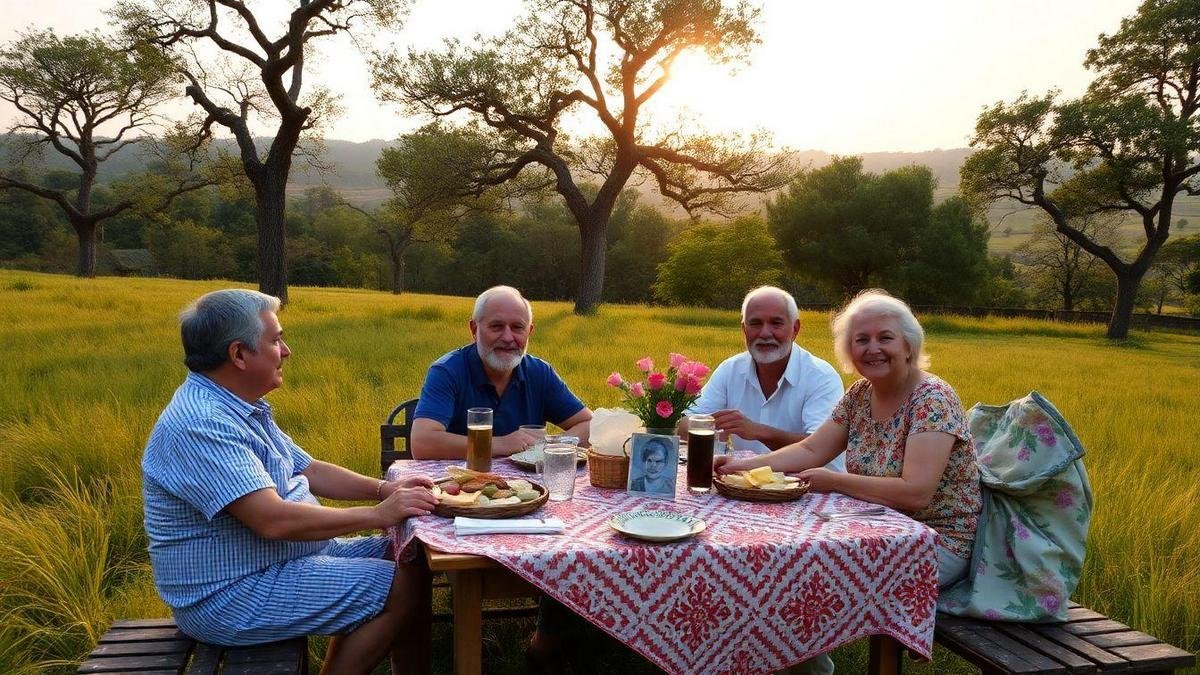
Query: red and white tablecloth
[763, 587]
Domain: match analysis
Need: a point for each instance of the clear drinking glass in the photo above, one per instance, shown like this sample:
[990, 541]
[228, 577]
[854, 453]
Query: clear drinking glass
[702, 434]
[538, 431]
[557, 469]
[479, 439]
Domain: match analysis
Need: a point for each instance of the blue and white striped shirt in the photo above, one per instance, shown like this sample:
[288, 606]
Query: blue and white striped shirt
[207, 449]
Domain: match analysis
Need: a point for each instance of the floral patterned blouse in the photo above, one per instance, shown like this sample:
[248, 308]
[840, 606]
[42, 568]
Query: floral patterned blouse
[877, 449]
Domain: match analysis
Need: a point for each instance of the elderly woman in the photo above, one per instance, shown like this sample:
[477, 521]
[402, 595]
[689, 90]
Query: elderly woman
[903, 430]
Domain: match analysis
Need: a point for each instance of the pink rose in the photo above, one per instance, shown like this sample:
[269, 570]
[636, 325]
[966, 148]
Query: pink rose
[645, 365]
[1049, 603]
[615, 380]
[1065, 498]
[685, 368]
[692, 386]
[681, 383]
[664, 409]
[656, 381]
[699, 369]
[636, 389]
[676, 359]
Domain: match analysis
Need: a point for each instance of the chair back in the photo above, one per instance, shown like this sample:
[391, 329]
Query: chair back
[391, 430]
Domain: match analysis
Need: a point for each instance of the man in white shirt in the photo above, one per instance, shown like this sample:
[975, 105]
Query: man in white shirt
[774, 393]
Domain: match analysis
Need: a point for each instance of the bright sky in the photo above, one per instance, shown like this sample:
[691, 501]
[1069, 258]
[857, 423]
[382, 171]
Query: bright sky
[848, 77]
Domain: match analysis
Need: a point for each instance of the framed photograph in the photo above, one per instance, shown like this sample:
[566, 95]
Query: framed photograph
[653, 464]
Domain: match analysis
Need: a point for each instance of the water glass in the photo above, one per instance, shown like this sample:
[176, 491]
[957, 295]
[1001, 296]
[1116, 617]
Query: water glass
[557, 469]
[479, 439]
[538, 431]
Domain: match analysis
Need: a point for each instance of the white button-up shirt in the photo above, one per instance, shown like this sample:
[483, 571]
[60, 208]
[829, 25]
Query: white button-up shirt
[803, 400]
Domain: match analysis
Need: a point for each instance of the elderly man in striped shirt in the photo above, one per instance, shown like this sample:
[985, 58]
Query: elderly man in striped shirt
[242, 550]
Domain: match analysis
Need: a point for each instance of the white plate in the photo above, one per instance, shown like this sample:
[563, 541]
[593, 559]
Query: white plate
[656, 525]
[526, 458]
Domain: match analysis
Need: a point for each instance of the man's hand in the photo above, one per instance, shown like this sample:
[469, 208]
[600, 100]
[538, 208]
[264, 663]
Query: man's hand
[519, 440]
[405, 502]
[734, 422]
[389, 487]
[721, 465]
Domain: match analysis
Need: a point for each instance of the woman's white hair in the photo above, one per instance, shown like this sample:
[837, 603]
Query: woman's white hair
[877, 302]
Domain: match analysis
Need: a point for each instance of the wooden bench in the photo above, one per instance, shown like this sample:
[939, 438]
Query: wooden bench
[1088, 642]
[146, 646]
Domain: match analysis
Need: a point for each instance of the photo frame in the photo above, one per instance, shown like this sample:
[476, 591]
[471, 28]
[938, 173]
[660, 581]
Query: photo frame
[653, 465]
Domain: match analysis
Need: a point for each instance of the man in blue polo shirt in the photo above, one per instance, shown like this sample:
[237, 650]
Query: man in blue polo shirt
[494, 372]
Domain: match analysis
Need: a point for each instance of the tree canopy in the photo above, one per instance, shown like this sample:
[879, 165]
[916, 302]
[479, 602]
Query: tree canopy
[1128, 145]
[601, 61]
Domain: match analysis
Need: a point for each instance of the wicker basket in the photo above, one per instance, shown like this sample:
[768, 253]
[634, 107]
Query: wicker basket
[608, 471]
[506, 511]
[757, 495]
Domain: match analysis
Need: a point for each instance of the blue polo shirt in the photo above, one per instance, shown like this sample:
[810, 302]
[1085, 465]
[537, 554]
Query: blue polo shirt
[456, 381]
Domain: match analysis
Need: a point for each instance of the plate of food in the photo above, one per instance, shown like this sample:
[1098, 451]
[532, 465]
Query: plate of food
[760, 485]
[526, 459]
[656, 525]
[463, 492]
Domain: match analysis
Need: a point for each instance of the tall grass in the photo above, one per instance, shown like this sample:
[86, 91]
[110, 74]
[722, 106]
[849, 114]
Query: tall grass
[86, 366]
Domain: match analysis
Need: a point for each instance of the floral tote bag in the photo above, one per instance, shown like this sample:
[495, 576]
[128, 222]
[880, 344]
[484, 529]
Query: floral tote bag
[1037, 504]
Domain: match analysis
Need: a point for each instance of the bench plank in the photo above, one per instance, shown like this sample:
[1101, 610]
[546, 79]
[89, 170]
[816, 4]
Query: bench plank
[104, 650]
[1021, 633]
[134, 664]
[143, 635]
[289, 650]
[1126, 639]
[1095, 627]
[1078, 613]
[1156, 657]
[206, 659]
[985, 644]
[1107, 660]
[143, 623]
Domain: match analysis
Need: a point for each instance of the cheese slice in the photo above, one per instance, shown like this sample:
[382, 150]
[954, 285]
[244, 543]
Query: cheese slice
[460, 499]
[760, 476]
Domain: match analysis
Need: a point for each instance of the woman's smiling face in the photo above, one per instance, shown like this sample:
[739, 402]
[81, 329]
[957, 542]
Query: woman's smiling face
[878, 347]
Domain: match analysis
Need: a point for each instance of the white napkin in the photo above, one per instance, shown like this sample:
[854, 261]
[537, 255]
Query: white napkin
[610, 428]
[464, 526]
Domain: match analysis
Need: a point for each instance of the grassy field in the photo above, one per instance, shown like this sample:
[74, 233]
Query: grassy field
[86, 366]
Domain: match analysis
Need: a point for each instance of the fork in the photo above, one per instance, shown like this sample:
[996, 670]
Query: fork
[859, 513]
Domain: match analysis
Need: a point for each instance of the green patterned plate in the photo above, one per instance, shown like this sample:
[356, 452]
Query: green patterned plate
[656, 525]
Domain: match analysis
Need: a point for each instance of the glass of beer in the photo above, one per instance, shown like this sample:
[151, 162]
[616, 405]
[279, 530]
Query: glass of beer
[479, 439]
[702, 433]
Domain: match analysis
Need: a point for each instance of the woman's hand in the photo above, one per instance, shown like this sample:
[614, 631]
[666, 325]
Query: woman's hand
[821, 479]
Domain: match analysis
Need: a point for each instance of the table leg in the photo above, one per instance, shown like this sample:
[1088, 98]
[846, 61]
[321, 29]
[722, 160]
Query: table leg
[884, 656]
[466, 587]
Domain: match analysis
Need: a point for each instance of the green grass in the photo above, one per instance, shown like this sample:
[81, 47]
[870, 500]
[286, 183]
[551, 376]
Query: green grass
[86, 366]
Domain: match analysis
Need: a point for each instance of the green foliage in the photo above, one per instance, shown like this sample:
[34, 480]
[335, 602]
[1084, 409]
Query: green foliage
[715, 265]
[847, 230]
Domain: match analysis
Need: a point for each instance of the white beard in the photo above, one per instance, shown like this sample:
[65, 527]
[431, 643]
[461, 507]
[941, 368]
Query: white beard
[500, 363]
[776, 354]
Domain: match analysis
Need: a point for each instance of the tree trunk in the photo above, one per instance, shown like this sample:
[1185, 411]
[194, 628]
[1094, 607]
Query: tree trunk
[1068, 298]
[594, 240]
[1122, 316]
[269, 215]
[398, 273]
[86, 233]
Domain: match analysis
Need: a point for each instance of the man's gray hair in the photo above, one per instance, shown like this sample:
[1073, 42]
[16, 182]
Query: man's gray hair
[877, 302]
[773, 292]
[482, 301]
[218, 319]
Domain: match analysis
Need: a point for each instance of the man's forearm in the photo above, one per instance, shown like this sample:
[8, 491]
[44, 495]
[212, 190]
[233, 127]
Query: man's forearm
[431, 444]
[335, 482]
[777, 438]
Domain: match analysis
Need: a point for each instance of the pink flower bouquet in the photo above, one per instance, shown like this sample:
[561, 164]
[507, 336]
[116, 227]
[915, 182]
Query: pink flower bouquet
[660, 401]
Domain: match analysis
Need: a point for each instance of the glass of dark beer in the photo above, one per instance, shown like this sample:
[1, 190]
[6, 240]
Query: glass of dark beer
[702, 433]
[479, 439]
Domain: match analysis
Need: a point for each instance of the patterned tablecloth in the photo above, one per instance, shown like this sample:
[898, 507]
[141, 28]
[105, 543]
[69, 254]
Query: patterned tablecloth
[763, 587]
